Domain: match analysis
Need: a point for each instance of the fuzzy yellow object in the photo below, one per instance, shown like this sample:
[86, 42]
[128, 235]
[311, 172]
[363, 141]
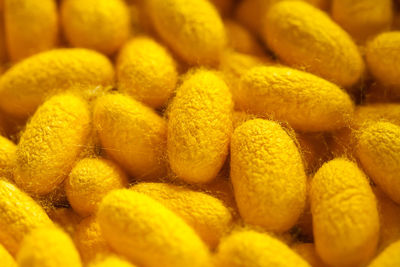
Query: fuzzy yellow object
[20, 215]
[31, 27]
[6, 259]
[48, 247]
[146, 232]
[199, 126]
[7, 158]
[207, 215]
[132, 134]
[345, 214]
[28, 83]
[102, 25]
[305, 37]
[268, 175]
[51, 143]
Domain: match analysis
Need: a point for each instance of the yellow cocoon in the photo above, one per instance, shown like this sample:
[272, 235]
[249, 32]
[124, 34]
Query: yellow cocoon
[207, 215]
[267, 174]
[6, 259]
[7, 158]
[378, 150]
[51, 143]
[48, 247]
[307, 102]
[132, 134]
[102, 25]
[345, 214]
[322, 48]
[383, 58]
[89, 181]
[363, 18]
[111, 261]
[253, 249]
[89, 240]
[19, 215]
[199, 126]
[27, 84]
[308, 253]
[148, 233]
[241, 40]
[192, 28]
[31, 27]
[146, 71]
[390, 257]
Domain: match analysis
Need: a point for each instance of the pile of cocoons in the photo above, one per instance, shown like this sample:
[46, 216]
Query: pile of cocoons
[199, 133]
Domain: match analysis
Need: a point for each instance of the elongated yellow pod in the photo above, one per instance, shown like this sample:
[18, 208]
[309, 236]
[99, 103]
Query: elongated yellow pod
[7, 158]
[321, 48]
[382, 57]
[6, 259]
[363, 18]
[192, 28]
[199, 127]
[27, 84]
[132, 134]
[20, 214]
[89, 240]
[307, 102]
[390, 257]
[111, 261]
[207, 215]
[31, 27]
[89, 181]
[50, 247]
[241, 40]
[146, 71]
[250, 248]
[102, 25]
[345, 214]
[267, 174]
[51, 143]
[378, 150]
[146, 232]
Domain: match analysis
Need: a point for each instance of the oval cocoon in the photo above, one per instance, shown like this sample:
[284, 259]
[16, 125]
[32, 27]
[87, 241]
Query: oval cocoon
[207, 215]
[102, 25]
[267, 174]
[249, 248]
[111, 261]
[307, 102]
[50, 247]
[146, 232]
[27, 84]
[31, 27]
[345, 214]
[132, 134]
[322, 48]
[51, 143]
[378, 150]
[89, 181]
[20, 214]
[146, 71]
[363, 18]
[192, 28]
[383, 58]
[199, 126]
